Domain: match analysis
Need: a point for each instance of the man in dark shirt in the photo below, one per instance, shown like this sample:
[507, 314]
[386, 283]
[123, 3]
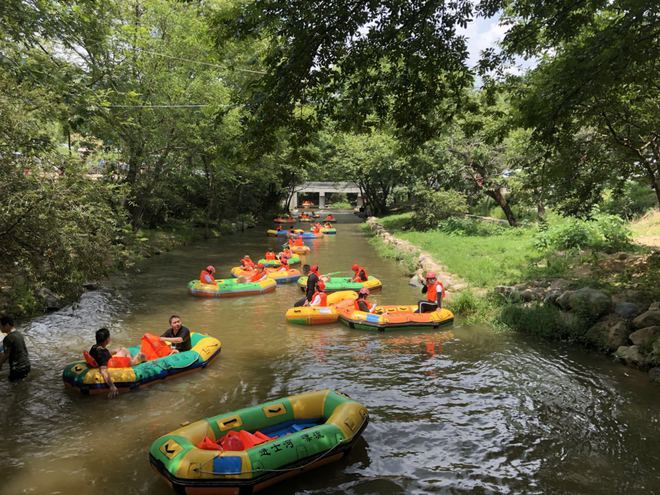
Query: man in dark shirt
[102, 356]
[312, 278]
[177, 335]
[14, 350]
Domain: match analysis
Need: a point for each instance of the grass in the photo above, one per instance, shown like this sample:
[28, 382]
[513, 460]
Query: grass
[484, 261]
[646, 230]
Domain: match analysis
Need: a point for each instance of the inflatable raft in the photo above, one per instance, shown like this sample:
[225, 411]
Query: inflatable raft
[282, 233]
[281, 438]
[281, 277]
[294, 260]
[309, 235]
[88, 380]
[335, 284]
[319, 315]
[284, 220]
[297, 249]
[394, 318]
[329, 231]
[229, 287]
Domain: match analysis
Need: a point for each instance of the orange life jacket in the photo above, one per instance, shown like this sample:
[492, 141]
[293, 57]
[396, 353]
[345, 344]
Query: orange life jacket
[432, 291]
[356, 303]
[324, 298]
[257, 276]
[299, 241]
[270, 255]
[206, 278]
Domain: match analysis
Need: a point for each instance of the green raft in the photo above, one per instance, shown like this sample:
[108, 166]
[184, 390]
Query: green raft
[335, 284]
[305, 430]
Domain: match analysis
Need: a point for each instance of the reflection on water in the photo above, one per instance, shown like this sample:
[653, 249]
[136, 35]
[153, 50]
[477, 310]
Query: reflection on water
[462, 410]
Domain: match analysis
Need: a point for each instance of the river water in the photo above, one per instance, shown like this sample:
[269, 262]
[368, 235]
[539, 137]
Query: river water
[461, 410]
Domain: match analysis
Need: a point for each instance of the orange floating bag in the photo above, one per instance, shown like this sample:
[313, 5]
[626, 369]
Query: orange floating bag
[153, 348]
[119, 362]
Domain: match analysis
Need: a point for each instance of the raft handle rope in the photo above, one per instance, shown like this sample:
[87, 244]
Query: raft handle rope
[297, 468]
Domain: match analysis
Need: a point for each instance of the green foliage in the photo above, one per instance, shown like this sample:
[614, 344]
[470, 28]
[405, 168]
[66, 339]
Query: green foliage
[604, 232]
[432, 207]
[629, 201]
[464, 226]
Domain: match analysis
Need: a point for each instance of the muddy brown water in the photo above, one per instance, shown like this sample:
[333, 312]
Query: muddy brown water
[461, 410]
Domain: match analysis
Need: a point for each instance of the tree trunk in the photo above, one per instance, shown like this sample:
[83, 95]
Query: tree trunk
[497, 195]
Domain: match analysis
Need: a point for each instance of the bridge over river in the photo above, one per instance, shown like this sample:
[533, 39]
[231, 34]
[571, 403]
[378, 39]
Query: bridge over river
[318, 192]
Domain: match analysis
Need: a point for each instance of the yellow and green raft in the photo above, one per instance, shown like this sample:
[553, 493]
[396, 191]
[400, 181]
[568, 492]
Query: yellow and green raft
[82, 377]
[312, 429]
[398, 317]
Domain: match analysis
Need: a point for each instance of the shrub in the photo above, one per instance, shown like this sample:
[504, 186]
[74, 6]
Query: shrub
[633, 199]
[470, 226]
[432, 207]
[603, 233]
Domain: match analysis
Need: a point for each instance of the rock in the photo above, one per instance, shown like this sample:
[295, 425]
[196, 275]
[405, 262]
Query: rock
[559, 284]
[645, 336]
[563, 300]
[51, 300]
[655, 306]
[529, 295]
[504, 290]
[551, 297]
[586, 301]
[610, 333]
[627, 309]
[630, 355]
[91, 286]
[415, 281]
[654, 374]
[649, 318]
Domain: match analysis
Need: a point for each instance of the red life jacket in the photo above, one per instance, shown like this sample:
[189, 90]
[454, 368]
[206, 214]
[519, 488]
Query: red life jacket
[356, 303]
[324, 298]
[299, 241]
[257, 276]
[206, 278]
[270, 255]
[432, 291]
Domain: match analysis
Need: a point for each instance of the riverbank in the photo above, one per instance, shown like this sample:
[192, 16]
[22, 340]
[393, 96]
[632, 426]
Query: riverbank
[604, 301]
[25, 297]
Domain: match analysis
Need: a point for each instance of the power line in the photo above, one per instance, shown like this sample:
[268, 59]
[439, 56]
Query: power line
[251, 71]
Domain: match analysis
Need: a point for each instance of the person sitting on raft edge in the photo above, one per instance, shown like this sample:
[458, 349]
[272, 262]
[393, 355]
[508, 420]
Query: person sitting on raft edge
[359, 273]
[434, 291]
[320, 298]
[247, 263]
[361, 303]
[177, 335]
[104, 358]
[206, 275]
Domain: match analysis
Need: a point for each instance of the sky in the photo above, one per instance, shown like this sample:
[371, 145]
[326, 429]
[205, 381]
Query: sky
[484, 33]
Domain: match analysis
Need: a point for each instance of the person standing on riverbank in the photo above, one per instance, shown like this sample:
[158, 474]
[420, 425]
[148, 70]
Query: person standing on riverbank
[434, 291]
[15, 350]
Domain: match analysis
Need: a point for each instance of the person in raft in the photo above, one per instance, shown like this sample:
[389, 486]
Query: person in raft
[361, 303]
[284, 266]
[327, 225]
[313, 278]
[177, 335]
[104, 358]
[206, 275]
[434, 291]
[359, 273]
[15, 351]
[259, 274]
[285, 254]
[247, 263]
[270, 255]
[320, 298]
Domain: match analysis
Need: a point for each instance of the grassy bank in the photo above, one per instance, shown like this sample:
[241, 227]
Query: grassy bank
[596, 254]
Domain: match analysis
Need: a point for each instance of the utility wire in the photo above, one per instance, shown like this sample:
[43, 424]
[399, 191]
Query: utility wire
[251, 71]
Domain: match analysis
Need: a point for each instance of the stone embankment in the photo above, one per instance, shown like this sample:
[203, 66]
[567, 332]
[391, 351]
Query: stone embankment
[424, 262]
[625, 325]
